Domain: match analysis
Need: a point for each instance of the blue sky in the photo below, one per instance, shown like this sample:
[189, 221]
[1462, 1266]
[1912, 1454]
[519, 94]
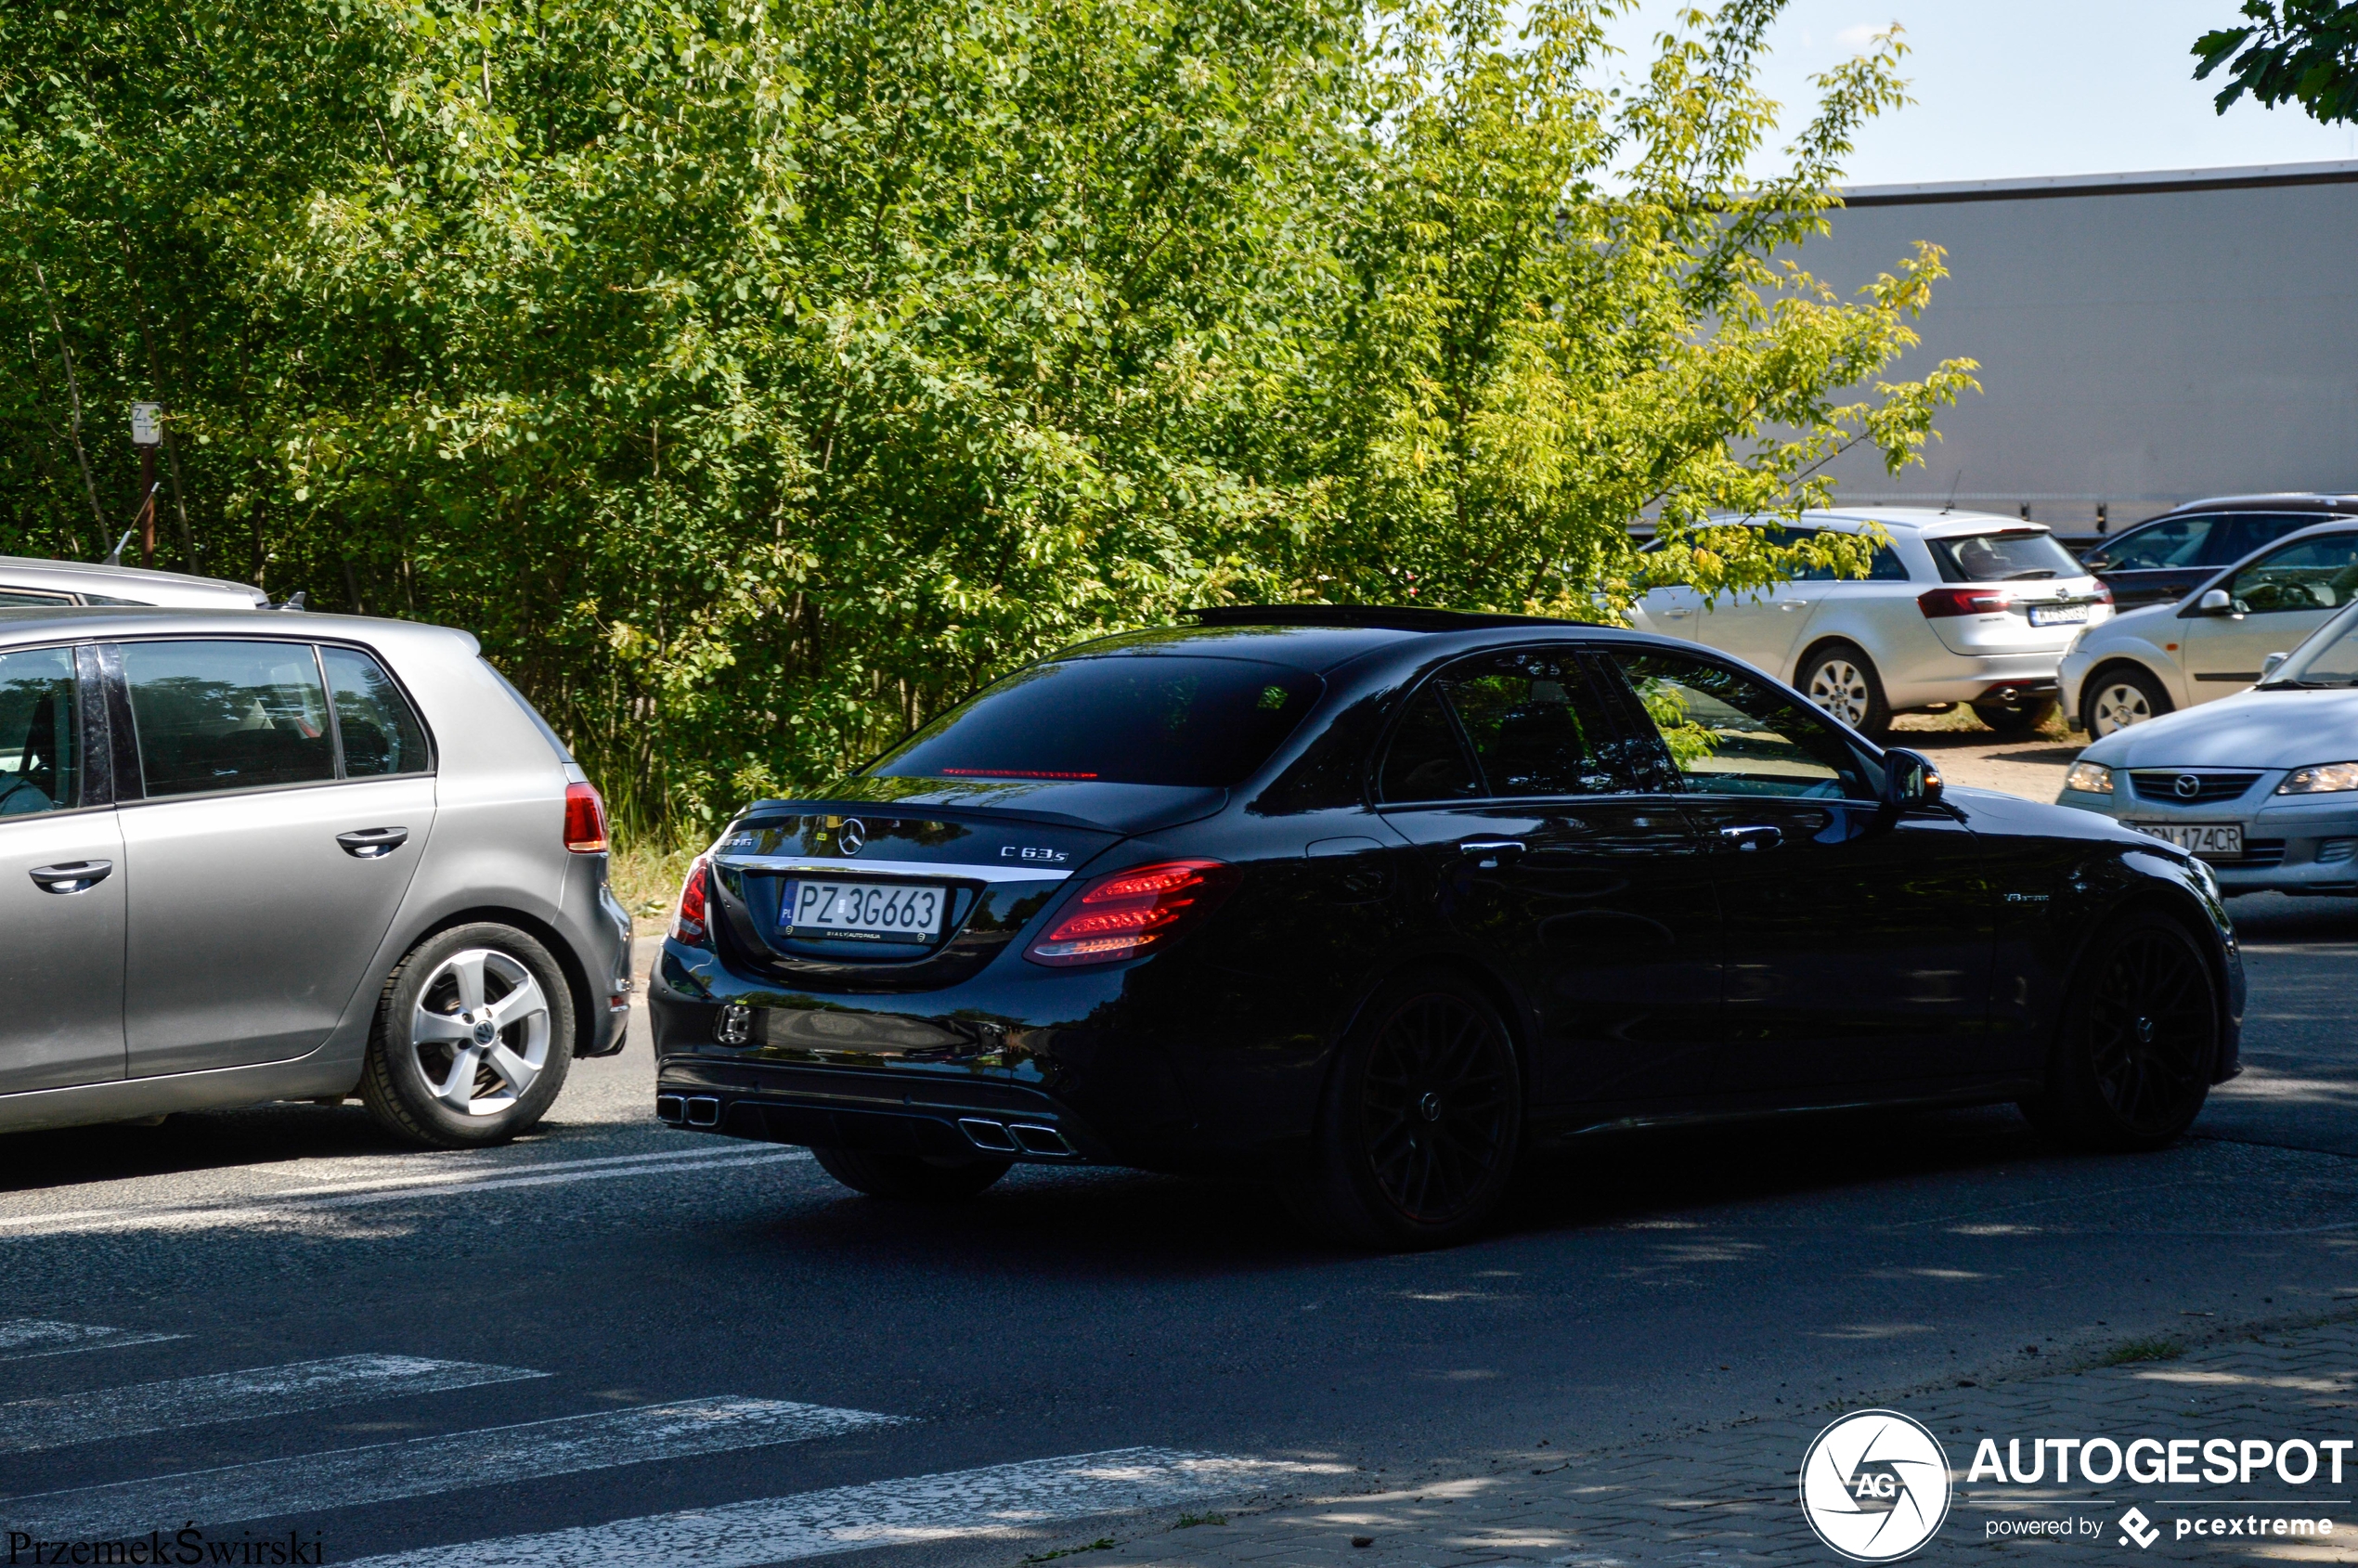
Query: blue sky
[2006, 88]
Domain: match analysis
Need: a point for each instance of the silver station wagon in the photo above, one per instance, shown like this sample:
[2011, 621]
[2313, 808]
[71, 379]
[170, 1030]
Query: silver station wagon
[250, 856]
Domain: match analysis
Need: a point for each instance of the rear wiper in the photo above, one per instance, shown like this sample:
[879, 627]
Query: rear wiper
[2019, 577]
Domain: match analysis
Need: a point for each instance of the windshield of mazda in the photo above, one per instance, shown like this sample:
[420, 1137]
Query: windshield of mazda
[2328, 659]
[1135, 718]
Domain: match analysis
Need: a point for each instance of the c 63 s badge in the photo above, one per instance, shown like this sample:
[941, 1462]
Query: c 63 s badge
[1874, 1485]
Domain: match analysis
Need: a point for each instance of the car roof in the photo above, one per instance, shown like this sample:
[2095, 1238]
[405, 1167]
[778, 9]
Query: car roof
[2283, 501]
[1922, 521]
[137, 583]
[22, 627]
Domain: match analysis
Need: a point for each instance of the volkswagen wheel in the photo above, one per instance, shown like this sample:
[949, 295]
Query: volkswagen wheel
[473, 1035]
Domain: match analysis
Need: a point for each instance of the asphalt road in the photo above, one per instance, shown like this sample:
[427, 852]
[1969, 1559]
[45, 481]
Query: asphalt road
[388, 1352]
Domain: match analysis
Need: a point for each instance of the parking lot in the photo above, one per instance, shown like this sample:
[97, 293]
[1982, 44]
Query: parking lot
[274, 1320]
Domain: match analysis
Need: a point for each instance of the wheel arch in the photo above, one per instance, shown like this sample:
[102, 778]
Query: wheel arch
[2152, 895]
[1820, 639]
[2117, 660]
[1521, 1027]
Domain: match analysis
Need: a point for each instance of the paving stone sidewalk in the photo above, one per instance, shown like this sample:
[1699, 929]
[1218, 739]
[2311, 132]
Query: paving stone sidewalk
[1725, 1498]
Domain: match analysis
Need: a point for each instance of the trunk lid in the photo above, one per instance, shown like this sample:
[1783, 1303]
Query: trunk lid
[904, 885]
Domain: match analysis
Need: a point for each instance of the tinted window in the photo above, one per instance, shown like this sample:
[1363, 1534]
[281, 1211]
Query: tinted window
[2181, 541]
[1427, 760]
[28, 598]
[1534, 725]
[2319, 574]
[214, 716]
[2017, 555]
[1137, 719]
[2237, 536]
[1727, 733]
[39, 759]
[380, 735]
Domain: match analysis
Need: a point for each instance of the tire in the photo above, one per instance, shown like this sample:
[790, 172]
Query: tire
[2021, 720]
[413, 1082]
[1420, 1122]
[2138, 1043]
[1840, 679]
[2121, 695]
[908, 1178]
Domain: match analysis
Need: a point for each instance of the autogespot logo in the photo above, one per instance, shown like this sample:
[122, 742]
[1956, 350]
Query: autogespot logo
[1875, 1485]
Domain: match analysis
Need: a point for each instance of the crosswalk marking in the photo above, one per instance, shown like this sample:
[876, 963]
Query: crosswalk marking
[21, 1339]
[717, 1154]
[925, 1508]
[29, 1424]
[422, 1466]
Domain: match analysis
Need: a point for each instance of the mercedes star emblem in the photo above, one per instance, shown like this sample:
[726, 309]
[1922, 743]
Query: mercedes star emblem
[850, 836]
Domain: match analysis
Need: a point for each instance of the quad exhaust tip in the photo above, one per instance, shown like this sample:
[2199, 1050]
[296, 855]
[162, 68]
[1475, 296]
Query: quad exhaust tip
[671, 1109]
[703, 1111]
[1016, 1137]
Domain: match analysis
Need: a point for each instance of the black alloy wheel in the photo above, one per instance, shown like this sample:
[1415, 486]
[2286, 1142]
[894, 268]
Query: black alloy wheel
[2140, 1039]
[1422, 1121]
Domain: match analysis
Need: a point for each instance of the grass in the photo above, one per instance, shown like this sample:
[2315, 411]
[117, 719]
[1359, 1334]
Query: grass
[2133, 1350]
[1189, 1521]
[646, 876]
[1103, 1543]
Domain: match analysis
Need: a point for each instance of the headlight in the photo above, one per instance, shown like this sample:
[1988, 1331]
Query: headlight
[2089, 778]
[2323, 779]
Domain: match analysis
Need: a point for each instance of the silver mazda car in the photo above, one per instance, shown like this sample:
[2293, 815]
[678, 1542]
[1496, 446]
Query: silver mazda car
[250, 856]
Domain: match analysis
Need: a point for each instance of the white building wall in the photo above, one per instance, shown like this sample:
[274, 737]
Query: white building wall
[2145, 339]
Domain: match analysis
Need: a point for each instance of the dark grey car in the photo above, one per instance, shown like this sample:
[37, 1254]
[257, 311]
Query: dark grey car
[2168, 557]
[249, 856]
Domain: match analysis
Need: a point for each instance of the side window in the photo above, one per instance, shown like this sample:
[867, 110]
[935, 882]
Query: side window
[2237, 536]
[1887, 567]
[223, 715]
[2181, 541]
[379, 732]
[1782, 538]
[1727, 733]
[32, 598]
[2319, 574]
[1427, 760]
[40, 761]
[1535, 725]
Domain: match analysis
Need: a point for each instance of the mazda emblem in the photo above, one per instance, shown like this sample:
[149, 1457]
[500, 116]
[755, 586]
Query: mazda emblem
[2186, 787]
[850, 836]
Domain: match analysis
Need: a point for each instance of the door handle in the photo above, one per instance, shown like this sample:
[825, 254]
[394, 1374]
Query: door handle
[1757, 836]
[71, 877]
[373, 843]
[1678, 614]
[1488, 852]
[1793, 604]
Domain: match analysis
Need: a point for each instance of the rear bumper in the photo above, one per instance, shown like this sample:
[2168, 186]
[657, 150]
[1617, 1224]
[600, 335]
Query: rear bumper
[847, 1109]
[1961, 678]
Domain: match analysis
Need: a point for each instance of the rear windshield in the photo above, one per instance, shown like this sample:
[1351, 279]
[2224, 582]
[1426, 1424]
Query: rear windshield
[2017, 555]
[1137, 719]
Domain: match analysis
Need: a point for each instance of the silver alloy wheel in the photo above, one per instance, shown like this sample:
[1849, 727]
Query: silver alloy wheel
[2119, 705]
[480, 1032]
[1839, 687]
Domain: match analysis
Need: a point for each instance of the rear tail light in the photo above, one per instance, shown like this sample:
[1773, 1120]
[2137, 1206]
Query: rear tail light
[1133, 911]
[2104, 594]
[1939, 602]
[585, 819]
[690, 923]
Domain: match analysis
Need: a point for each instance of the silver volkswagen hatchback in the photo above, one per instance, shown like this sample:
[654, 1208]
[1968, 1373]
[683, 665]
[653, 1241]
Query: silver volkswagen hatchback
[249, 856]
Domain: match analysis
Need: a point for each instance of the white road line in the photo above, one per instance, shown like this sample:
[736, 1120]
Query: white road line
[218, 1216]
[423, 1466]
[29, 1424]
[21, 1339]
[925, 1507]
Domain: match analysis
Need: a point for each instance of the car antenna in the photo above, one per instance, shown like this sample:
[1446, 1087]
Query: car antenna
[1952, 490]
[114, 557]
[294, 600]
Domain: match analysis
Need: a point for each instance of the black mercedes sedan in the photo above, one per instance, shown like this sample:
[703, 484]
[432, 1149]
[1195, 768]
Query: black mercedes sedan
[1370, 903]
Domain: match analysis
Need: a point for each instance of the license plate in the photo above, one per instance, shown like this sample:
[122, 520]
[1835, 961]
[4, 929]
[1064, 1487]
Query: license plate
[2211, 840]
[866, 911]
[2058, 615]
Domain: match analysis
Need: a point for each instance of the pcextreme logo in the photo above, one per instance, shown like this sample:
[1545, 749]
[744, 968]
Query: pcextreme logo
[1874, 1485]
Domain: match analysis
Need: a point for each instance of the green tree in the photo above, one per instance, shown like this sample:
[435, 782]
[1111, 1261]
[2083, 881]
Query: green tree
[2303, 51]
[756, 377]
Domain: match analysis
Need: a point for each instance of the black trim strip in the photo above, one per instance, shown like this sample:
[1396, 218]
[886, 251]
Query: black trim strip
[2115, 186]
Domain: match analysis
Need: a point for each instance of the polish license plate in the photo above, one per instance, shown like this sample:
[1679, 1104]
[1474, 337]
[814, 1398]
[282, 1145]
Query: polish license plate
[2222, 841]
[2058, 615]
[866, 911]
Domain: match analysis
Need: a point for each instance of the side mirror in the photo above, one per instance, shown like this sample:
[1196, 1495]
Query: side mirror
[2272, 663]
[2215, 603]
[1910, 780]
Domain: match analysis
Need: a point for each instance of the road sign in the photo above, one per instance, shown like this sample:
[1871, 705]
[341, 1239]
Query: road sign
[146, 425]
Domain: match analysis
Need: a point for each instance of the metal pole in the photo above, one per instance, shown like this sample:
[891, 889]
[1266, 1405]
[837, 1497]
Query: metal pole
[148, 506]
